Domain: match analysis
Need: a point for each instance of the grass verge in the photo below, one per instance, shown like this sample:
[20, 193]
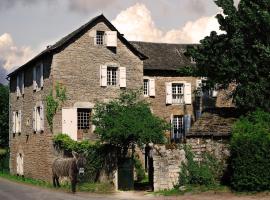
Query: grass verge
[81, 187]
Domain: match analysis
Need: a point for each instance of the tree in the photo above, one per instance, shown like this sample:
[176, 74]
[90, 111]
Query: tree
[4, 115]
[240, 55]
[127, 121]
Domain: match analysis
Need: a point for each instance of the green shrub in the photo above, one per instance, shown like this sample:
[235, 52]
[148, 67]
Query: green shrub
[250, 153]
[140, 172]
[205, 172]
[4, 160]
[99, 156]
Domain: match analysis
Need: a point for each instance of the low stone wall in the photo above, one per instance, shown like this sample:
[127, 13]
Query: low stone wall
[218, 147]
[166, 167]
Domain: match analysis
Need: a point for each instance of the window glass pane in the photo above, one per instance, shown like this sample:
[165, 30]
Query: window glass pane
[178, 93]
[177, 127]
[83, 117]
[111, 76]
[38, 76]
[100, 37]
[146, 87]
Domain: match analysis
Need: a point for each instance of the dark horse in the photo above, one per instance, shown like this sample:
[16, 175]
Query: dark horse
[68, 167]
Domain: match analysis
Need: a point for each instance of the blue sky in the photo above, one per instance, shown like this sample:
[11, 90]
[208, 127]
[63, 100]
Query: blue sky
[28, 26]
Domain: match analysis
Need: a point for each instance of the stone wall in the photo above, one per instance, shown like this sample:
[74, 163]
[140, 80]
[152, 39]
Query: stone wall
[217, 146]
[167, 164]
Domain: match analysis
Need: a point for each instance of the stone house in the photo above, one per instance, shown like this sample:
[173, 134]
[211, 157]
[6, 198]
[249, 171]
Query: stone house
[94, 63]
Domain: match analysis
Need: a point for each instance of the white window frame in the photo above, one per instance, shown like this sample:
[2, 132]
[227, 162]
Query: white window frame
[178, 93]
[178, 127]
[100, 38]
[112, 81]
[146, 87]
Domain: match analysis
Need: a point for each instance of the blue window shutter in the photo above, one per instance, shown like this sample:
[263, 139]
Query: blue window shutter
[187, 121]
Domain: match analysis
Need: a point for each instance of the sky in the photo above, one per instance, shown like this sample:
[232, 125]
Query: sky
[28, 26]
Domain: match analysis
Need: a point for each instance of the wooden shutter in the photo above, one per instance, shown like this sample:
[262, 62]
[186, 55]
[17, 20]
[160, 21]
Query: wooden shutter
[152, 90]
[34, 78]
[18, 161]
[22, 82]
[41, 75]
[122, 77]
[42, 117]
[187, 123]
[103, 75]
[168, 93]
[69, 122]
[187, 93]
[111, 38]
[13, 122]
[18, 85]
[20, 121]
[34, 119]
[93, 34]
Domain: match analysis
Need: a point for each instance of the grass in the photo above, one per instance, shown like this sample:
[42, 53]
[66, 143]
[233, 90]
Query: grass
[193, 189]
[81, 187]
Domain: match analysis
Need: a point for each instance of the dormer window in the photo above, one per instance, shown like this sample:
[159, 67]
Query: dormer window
[100, 37]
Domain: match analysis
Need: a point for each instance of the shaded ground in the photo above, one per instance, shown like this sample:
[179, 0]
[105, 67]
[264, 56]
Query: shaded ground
[13, 191]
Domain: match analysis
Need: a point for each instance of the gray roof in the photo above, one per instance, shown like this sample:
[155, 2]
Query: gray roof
[163, 56]
[81, 30]
[216, 122]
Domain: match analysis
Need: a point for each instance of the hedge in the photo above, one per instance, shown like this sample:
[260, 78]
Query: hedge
[250, 153]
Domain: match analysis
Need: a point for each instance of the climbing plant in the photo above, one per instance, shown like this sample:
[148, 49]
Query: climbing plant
[53, 102]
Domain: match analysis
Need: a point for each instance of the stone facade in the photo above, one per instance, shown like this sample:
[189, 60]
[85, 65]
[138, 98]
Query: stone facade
[158, 102]
[167, 164]
[76, 66]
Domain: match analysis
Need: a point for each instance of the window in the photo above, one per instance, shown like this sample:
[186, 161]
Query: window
[20, 84]
[111, 76]
[177, 128]
[177, 93]
[38, 77]
[100, 38]
[17, 121]
[38, 118]
[146, 87]
[83, 117]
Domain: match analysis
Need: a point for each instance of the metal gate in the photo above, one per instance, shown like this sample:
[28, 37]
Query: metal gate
[126, 174]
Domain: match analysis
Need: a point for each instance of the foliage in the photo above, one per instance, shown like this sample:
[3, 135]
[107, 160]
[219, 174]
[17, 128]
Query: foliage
[241, 54]
[205, 172]
[4, 160]
[52, 103]
[127, 121]
[96, 154]
[250, 152]
[189, 70]
[140, 172]
[4, 115]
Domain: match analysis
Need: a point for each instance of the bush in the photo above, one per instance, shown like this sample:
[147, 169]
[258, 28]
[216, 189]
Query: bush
[4, 160]
[140, 172]
[250, 153]
[99, 156]
[207, 172]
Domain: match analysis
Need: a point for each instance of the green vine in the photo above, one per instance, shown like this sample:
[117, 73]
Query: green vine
[54, 102]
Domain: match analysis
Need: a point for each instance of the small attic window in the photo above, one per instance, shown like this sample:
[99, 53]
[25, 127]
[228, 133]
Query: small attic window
[100, 37]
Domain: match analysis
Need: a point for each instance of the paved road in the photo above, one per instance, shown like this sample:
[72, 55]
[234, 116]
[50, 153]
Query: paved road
[18, 191]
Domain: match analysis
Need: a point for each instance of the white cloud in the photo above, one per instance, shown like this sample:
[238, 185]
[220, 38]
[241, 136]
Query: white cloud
[12, 56]
[137, 24]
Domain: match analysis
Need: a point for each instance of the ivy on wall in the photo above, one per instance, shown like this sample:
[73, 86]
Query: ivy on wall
[53, 102]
